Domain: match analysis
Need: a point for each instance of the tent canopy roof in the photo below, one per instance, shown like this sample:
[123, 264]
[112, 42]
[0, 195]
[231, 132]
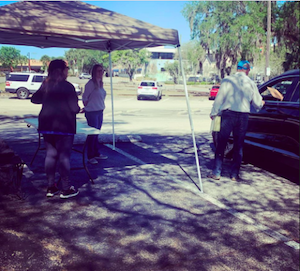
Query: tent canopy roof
[74, 24]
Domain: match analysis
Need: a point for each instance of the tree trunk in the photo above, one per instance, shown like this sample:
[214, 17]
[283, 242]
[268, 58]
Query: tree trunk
[130, 76]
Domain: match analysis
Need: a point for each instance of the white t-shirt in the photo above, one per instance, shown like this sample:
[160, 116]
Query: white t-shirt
[93, 97]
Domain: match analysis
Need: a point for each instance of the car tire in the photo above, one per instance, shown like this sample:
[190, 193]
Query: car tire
[138, 98]
[22, 93]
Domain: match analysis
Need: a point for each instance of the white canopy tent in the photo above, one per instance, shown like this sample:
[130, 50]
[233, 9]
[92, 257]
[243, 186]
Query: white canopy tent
[74, 24]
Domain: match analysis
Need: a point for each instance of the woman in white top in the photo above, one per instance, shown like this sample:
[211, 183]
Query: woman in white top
[93, 100]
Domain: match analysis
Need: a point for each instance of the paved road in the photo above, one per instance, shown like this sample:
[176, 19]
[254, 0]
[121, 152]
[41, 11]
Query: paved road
[145, 211]
[167, 116]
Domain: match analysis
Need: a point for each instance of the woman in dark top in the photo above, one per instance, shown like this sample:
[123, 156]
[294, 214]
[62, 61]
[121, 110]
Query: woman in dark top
[57, 123]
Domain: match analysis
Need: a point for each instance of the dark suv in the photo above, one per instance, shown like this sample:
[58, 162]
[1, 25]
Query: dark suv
[275, 128]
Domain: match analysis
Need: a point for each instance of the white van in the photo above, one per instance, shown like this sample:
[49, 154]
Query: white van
[25, 83]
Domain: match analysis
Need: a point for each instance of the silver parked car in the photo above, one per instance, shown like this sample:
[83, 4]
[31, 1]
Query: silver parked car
[85, 76]
[149, 89]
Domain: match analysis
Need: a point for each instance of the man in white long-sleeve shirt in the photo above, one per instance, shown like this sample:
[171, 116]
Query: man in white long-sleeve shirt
[235, 96]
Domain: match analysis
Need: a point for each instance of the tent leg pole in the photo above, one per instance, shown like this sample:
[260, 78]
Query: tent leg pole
[112, 101]
[191, 121]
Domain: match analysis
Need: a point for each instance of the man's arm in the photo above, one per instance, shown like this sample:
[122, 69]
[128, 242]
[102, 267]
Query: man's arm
[257, 100]
[219, 100]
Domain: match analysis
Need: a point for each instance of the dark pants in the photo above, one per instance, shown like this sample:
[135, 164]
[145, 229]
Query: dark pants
[58, 149]
[94, 119]
[236, 123]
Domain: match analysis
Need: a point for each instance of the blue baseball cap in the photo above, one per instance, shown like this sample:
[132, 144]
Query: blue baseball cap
[244, 65]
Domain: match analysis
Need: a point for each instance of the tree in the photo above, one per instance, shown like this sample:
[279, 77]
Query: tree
[194, 53]
[173, 69]
[229, 30]
[23, 60]
[9, 57]
[72, 56]
[82, 60]
[45, 60]
[92, 57]
[287, 27]
[131, 60]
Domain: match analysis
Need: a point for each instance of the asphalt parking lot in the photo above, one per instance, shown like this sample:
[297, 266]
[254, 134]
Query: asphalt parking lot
[146, 211]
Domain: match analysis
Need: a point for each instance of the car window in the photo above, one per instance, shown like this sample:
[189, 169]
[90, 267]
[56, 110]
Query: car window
[38, 78]
[147, 84]
[282, 85]
[17, 77]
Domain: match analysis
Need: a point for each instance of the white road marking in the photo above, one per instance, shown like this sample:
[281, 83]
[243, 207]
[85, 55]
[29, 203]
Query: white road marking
[262, 228]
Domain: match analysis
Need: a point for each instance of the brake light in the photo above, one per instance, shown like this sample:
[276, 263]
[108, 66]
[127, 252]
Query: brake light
[7, 84]
[154, 88]
[140, 87]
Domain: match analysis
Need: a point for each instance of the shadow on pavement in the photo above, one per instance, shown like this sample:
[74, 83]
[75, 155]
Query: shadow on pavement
[148, 216]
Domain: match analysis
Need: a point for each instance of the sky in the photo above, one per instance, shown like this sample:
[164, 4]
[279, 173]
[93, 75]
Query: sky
[166, 14]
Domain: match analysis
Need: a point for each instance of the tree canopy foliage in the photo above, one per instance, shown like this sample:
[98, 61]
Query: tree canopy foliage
[23, 60]
[234, 30]
[9, 57]
[227, 29]
[81, 60]
[131, 60]
[194, 53]
[173, 69]
[287, 32]
[46, 61]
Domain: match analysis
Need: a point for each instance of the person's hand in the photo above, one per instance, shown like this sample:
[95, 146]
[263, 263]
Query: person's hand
[212, 117]
[81, 110]
[263, 102]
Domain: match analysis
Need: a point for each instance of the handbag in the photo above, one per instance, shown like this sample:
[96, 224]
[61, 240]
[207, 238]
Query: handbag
[216, 124]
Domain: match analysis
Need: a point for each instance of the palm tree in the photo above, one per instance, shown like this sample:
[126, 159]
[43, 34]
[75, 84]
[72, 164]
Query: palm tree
[45, 60]
[23, 60]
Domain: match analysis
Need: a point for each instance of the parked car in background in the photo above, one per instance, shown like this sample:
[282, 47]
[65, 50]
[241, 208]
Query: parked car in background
[274, 130]
[85, 76]
[149, 89]
[77, 88]
[213, 92]
[115, 72]
[24, 84]
[194, 79]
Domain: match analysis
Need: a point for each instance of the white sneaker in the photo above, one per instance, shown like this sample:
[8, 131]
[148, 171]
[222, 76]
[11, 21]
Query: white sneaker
[93, 161]
[71, 192]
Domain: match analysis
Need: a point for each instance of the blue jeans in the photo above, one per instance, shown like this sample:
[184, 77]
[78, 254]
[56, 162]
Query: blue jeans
[94, 119]
[237, 123]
